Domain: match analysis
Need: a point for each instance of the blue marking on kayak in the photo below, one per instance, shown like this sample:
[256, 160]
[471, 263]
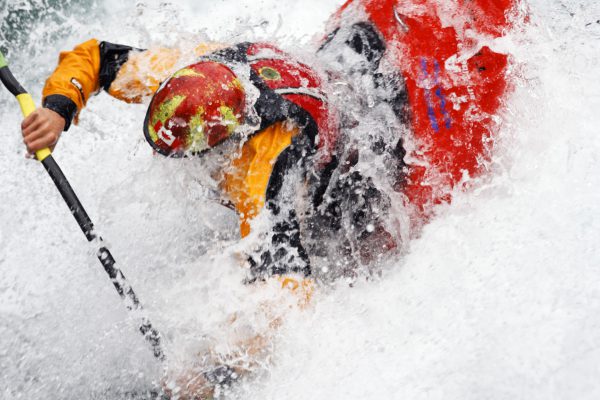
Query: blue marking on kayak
[430, 109]
[440, 95]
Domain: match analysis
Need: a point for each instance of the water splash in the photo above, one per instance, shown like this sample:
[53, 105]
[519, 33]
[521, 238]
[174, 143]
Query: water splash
[497, 298]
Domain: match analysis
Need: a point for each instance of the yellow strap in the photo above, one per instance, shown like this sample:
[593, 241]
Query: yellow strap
[27, 107]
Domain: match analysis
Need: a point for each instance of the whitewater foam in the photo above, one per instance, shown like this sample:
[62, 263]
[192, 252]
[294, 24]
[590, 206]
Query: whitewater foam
[498, 298]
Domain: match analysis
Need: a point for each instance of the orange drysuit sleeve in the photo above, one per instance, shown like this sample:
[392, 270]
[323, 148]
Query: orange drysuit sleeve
[144, 71]
[124, 72]
[76, 76]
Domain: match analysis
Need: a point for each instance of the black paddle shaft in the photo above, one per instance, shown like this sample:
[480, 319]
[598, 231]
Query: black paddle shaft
[106, 259]
[85, 223]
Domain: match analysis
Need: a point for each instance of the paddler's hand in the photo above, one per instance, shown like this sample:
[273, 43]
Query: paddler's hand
[42, 129]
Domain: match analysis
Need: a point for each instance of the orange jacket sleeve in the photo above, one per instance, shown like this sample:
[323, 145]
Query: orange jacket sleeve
[74, 80]
[124, 72]
[76, 76]
[144, 71]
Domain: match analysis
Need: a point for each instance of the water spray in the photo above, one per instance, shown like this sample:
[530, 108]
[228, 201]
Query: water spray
[83, 220]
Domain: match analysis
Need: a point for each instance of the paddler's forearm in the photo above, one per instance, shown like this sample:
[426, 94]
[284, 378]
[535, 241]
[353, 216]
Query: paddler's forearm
[80, 73]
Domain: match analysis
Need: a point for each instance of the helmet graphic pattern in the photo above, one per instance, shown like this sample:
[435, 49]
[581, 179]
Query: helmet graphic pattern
[199, 107]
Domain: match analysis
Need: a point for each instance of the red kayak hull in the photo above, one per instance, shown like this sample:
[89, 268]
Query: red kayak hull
[456, 85]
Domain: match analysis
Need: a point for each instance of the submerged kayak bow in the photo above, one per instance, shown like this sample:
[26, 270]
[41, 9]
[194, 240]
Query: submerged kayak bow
[85, 223]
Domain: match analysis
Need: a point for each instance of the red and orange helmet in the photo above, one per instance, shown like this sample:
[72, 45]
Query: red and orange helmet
[197, 108]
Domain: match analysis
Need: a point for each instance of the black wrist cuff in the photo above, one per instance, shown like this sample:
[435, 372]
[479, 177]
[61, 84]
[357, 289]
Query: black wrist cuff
[63, 106]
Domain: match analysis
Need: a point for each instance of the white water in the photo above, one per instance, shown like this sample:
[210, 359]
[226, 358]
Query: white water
[499, 297]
